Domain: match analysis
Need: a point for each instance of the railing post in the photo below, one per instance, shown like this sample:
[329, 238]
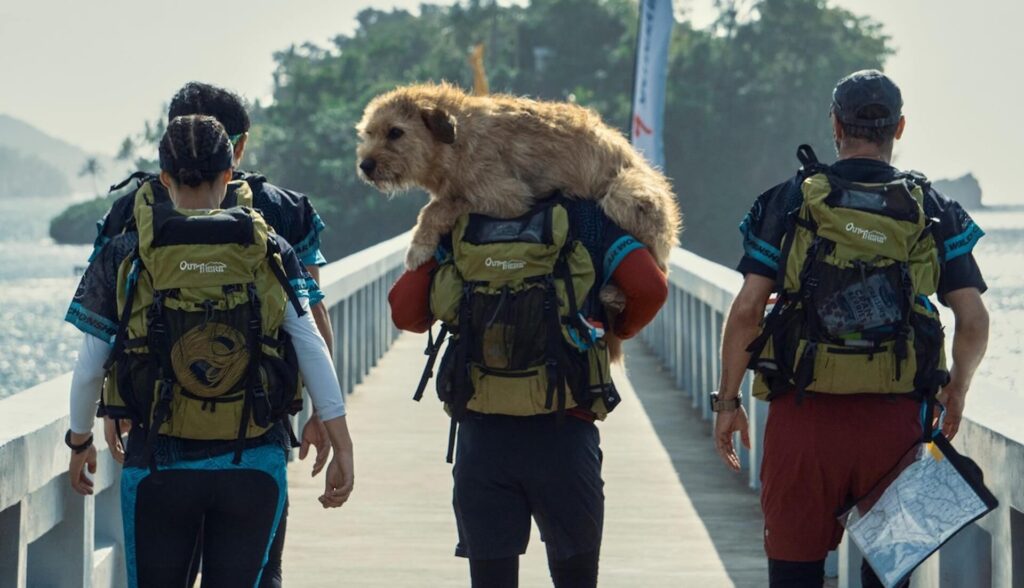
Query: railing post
[690, 349]
[63, 556]
[678, 358]
[351, 344]
[13, 547]
[703, 359]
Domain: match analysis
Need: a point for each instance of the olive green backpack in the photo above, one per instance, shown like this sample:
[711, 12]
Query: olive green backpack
[199, 351]
[511, 295]
[859, 263]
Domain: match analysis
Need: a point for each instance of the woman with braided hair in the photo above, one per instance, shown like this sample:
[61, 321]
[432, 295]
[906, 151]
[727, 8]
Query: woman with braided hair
[290, 213]
[207, 451]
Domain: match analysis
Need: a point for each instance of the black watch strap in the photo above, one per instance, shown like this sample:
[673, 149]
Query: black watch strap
[77, 448]
[721, 404]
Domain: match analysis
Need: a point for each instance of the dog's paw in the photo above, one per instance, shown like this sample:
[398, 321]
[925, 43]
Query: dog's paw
[417, 255]
[613, 298]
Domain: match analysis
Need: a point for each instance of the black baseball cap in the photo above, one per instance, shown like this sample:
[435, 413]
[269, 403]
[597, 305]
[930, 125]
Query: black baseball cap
[867, 87]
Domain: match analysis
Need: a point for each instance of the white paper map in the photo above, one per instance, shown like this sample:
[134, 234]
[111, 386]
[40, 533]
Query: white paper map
[923, 507]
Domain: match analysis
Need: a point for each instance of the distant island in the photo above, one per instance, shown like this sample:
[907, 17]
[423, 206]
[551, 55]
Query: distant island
[27, 175]
[31, 155]
[966, 190]
[77, 224]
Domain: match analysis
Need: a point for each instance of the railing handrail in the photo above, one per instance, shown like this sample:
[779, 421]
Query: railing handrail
[339, 279]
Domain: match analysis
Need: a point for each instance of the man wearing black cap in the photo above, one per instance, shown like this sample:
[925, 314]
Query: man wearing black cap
[823, 447]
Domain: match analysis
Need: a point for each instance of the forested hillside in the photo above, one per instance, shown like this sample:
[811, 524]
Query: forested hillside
[742, 94]
[27, 175]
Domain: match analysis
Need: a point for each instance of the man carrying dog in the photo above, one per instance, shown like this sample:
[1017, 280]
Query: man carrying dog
[526, 376]
[852, 346]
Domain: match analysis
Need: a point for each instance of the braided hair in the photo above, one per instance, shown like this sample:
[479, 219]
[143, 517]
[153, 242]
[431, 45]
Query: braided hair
[200, 98]
[195, 149]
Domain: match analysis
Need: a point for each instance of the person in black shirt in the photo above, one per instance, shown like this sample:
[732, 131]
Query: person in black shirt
[822, 449]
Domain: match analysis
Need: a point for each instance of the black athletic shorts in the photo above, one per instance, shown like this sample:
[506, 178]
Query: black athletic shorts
[508, 469]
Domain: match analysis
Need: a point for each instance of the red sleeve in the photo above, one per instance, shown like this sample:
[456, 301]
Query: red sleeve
[645, 289]
[410, 299]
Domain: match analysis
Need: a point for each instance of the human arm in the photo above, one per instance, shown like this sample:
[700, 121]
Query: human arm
[313, 432]
[322, 382]
[970, 340]
[960, 287]
[86, 384]
[741, 327]
[320, 314]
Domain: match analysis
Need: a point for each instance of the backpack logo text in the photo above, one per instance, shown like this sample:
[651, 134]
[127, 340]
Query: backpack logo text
[211, 267]
[867, 234]
[506, 265]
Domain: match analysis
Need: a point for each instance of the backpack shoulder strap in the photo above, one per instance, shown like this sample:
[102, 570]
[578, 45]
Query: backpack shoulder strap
[142, 176]
[278, 271]
[254, 179]
[121, 334]
[810, 165]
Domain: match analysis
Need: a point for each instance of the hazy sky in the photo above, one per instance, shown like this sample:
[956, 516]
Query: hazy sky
[92, 72]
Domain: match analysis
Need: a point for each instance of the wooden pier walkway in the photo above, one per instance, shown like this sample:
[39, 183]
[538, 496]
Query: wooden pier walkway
[675, 516]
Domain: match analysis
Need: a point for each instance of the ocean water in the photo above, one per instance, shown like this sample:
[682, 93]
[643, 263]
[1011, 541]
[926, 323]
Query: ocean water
[37, 280]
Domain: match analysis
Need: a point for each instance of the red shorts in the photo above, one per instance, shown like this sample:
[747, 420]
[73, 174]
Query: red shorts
[818, 456]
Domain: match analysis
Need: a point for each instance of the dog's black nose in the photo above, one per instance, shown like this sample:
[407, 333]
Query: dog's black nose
[367, 165]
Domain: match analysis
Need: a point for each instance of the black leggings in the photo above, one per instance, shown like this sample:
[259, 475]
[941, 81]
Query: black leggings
[578, 571]
[232, 511]
[272, 577]
[811, 574]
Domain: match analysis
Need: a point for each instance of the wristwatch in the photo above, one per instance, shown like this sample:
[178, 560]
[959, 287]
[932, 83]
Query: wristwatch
[77, 448]
[725, 404]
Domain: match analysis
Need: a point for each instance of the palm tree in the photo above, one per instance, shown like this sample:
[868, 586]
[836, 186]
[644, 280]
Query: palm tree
[92, 168]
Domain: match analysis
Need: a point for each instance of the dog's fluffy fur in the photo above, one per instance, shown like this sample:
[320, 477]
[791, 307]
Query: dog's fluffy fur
[496, 154]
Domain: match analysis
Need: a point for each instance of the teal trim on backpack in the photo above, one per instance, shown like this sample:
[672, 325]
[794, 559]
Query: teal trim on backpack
[97, 246]
[133, 277]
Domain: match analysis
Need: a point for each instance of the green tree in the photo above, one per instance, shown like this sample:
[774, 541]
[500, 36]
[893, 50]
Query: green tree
[741, 100]
[741, 95]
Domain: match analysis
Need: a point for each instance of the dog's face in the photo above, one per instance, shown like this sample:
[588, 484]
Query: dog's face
[400, 143]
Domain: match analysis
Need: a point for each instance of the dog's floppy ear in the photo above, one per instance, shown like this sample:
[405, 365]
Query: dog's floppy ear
[440, 123]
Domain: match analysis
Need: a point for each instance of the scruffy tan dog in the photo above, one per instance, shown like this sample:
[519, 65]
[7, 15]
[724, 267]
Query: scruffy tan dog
[495, 154]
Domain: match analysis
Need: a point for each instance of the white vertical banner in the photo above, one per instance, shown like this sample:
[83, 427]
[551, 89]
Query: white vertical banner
[650, 71]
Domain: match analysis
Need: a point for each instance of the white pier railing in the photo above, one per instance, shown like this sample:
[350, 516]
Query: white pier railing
[50, 536]
[687, 336]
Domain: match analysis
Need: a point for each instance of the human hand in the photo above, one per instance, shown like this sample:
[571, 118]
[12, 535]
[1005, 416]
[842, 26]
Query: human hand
[612, 297]
[952, 398]
[728, 422]
[113, 437]
[339, 480]
[314, 434]
[80, 482]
